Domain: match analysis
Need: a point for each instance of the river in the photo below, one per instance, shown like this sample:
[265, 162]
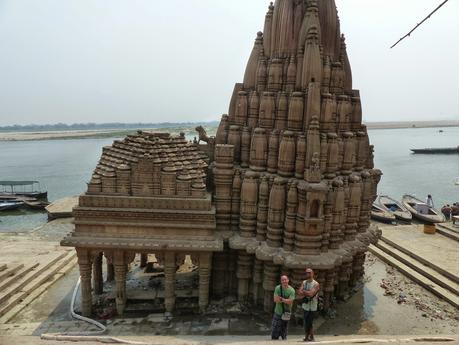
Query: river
[64, 166]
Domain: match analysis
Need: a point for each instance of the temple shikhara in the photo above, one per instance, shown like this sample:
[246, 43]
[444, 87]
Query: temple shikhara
[287, 182]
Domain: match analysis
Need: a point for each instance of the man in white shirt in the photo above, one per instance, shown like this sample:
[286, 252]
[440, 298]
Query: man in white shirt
[309, 292]
[429, 201]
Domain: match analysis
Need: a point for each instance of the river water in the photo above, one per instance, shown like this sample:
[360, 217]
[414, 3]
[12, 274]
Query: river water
[64, 166]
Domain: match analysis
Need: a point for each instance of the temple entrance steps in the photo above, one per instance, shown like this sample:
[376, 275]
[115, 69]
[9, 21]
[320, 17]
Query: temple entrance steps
[24, 282]
[426, 276]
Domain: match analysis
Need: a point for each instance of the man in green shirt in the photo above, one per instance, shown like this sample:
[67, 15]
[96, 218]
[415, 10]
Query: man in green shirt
[284, 295]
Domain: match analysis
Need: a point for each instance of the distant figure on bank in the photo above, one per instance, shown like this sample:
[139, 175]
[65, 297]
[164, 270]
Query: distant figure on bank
[429, 201]
[455, 209]
[446, 210]
[284, 295]
[309, 292]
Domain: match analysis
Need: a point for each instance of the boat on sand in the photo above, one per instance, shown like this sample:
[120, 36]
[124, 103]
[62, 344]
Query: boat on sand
[395, 207]
[381, 215]
[421, 210]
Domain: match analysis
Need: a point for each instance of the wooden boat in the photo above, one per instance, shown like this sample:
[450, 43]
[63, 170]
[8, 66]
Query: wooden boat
[421, 210]
[381, 215]
[395, 207]
[445, 150]
[22, 189]
[10, 205]
[36, 204]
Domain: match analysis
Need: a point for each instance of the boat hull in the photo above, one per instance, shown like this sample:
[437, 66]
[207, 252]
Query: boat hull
[10, 206]
[433, 217]
[447, 150]
[401, 213]
[379, 214]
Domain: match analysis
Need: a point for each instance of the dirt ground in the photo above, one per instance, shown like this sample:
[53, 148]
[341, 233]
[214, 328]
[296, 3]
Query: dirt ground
[385, 303]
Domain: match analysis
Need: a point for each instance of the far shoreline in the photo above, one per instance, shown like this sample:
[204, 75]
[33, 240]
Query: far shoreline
[120, 133]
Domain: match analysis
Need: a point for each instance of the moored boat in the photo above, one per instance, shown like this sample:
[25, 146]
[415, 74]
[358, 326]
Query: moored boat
[22, 189]
[36, 204]
[421, 210]
[381, 215]
[441, 150]
[395, 207]
[10, 205]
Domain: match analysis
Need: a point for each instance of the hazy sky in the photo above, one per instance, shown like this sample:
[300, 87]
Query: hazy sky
[177, 60]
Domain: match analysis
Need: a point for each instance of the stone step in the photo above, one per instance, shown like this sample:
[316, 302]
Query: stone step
[38, 291]
[16, 275]
[17, 287]
[7, 272]
[445, 231]
[419, 258]
[37, 281]
[426, 271]
[2, 267]
[416, 277]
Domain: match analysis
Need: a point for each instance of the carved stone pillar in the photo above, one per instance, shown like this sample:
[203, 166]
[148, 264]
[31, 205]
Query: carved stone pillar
[169, 284]
[259, 150]
[287, 153]
[295, 112]
[223, 180]
[84, 262]
[98, 280]
[282, 111]
[300, 156]
[270, 280]
[257, 281]
[243, 273]
[236, 201]
[337, 225]
[267, 110]
[234, 138]
[248, 208]
[353, 213]
[254, 106]
[276, 214]
[290, 218]
[273, 153]
[120, 263]
[246, 138]
[262, 214]
[205, 260]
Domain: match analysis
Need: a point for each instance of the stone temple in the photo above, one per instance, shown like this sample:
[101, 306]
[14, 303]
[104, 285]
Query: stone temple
[287, 183]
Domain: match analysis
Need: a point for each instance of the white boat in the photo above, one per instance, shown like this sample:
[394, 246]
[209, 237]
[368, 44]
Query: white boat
[422, 211]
